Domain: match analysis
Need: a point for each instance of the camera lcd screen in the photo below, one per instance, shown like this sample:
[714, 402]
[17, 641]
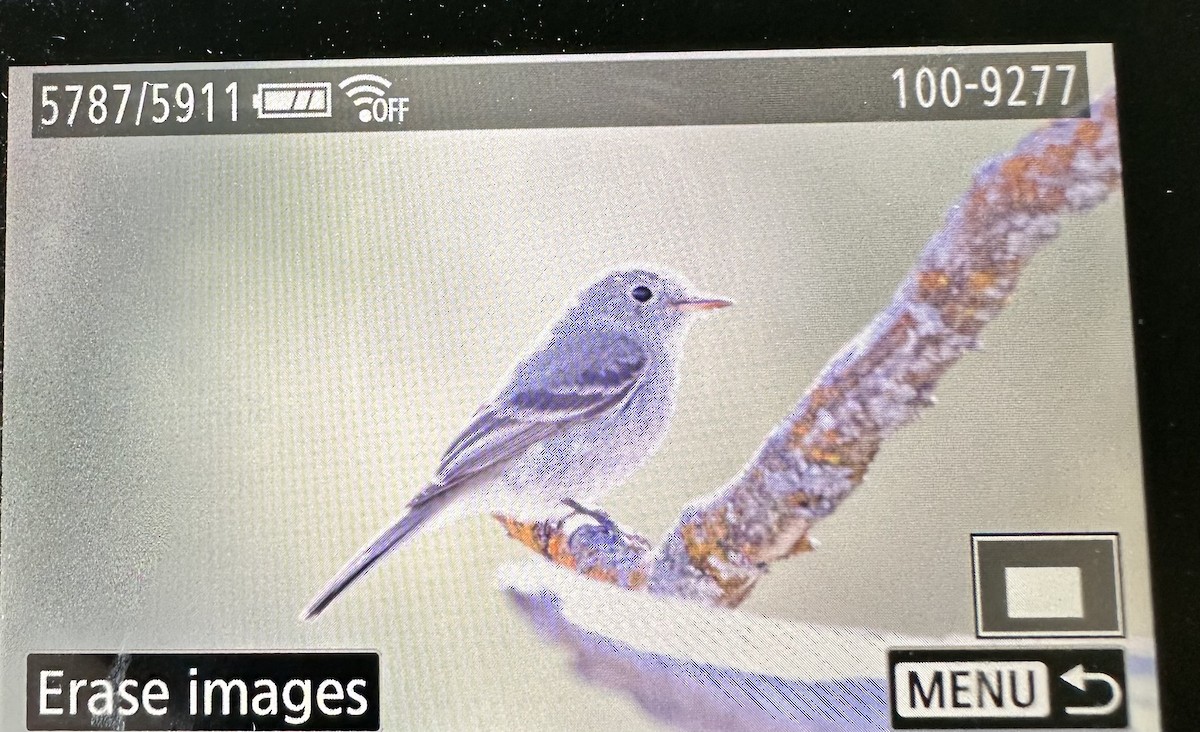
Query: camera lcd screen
[786, 390]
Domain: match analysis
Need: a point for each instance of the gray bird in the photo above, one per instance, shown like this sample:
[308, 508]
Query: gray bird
[574, 419]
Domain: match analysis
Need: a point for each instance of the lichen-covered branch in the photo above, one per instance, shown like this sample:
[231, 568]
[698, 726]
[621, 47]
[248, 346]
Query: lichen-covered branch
[807, 466]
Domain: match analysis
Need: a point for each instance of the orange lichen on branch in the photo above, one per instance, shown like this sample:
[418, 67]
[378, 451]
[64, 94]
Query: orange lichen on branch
[603, 553]
[522, 532]
[979, 282]
[802, 545]
[931, 283]
[558, 550]
[963, 278]
[543, 538]
[703, 539]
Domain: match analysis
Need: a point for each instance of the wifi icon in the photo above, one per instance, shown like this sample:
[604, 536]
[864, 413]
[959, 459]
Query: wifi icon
[365, 90]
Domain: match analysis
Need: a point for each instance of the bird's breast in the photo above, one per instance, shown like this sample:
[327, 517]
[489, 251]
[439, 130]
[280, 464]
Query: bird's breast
[639, 425]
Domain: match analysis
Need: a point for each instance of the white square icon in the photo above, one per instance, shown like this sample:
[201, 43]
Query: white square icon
[1044, 592]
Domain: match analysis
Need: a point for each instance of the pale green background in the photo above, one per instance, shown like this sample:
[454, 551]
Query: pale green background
[230, 361]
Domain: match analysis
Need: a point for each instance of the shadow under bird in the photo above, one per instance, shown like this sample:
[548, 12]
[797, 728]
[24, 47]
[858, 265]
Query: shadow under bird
[574, 419]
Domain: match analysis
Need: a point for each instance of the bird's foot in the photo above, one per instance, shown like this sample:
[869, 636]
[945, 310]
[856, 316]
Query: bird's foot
[604, 519]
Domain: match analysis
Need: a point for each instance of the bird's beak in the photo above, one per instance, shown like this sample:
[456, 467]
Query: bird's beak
[700, 304]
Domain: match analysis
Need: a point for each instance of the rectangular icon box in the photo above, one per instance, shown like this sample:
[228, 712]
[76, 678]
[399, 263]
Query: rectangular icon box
[1047, 585]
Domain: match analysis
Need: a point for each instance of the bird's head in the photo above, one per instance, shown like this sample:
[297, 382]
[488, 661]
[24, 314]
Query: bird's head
[652, 300]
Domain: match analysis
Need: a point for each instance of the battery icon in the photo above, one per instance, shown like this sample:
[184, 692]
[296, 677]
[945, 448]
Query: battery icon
[294, 99]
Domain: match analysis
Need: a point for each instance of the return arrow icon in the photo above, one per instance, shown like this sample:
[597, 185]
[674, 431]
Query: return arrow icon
[1079, 678]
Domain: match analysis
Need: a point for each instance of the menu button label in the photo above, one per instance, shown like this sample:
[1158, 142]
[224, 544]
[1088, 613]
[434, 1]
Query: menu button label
[966, 689]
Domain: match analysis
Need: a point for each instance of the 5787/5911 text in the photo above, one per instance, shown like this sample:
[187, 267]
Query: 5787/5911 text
[150, 103]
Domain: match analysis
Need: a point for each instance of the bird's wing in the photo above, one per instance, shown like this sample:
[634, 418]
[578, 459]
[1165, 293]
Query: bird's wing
[577, 378]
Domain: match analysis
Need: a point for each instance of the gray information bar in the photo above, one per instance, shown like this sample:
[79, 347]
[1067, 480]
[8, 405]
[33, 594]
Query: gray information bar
[560, 93]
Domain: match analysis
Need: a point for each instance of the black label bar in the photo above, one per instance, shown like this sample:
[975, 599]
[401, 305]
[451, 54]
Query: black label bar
[560, 93]
[202, 691]
[1008, 688]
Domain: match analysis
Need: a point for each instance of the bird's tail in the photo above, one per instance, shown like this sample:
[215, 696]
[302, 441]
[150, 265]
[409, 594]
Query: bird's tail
[419, 514]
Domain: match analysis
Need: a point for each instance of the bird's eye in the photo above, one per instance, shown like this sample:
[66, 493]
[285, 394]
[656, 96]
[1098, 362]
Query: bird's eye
[641, 293]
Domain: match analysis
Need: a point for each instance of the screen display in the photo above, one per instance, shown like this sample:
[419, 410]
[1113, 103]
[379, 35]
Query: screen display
[785, 390]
